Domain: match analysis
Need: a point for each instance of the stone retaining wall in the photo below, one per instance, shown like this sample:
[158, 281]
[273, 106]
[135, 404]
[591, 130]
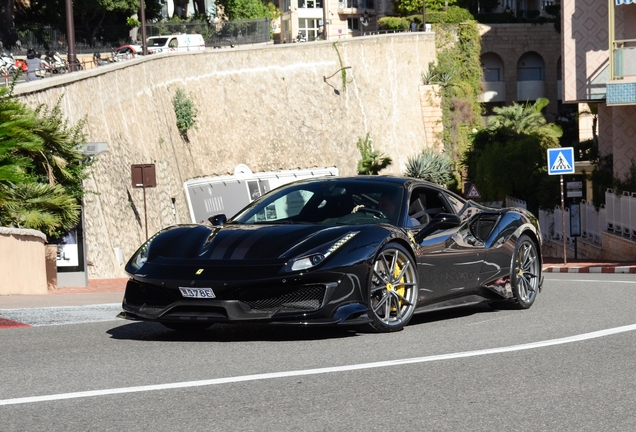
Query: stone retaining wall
[272, 108]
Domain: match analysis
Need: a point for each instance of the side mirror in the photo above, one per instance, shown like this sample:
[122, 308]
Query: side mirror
[440, 221]
[218, 220]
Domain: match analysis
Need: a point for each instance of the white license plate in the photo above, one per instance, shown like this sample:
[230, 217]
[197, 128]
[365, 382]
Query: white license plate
[197, 292]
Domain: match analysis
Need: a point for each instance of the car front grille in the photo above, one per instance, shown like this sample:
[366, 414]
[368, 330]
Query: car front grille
[306, 299]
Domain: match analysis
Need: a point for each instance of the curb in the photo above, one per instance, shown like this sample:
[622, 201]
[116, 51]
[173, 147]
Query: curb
[591, 269]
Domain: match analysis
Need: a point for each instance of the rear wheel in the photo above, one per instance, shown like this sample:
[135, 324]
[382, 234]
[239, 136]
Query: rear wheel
[187, 326]
[392, 289]
[525, 273]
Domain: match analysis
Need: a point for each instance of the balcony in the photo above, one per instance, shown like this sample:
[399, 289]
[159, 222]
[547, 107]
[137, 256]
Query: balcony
[493, 91]
[352, 6]
[530, 90]
[621, 89]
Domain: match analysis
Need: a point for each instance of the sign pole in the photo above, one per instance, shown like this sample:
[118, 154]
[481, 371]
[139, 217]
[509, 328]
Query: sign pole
[561, 161]
[565, 252]
[146, 211]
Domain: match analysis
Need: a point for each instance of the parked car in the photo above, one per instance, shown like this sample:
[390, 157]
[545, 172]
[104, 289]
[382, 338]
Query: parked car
[127, 52]
[365, 250]
[175, 43]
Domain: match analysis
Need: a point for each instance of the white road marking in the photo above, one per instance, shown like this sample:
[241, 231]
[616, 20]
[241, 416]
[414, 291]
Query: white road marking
[346, 368]
[590, 280]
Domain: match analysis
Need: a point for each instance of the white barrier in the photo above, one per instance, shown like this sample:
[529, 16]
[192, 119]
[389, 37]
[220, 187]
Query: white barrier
[632, 215]
[515, 202]
[609, 206]
[624, 202]
[546, 224]
[558, 224]
[618, 215]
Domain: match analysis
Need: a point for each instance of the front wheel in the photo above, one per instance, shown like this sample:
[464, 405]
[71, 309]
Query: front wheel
[392, 289]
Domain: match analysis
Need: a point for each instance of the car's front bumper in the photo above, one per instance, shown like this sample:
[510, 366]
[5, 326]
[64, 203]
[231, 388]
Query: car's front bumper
[325, 298]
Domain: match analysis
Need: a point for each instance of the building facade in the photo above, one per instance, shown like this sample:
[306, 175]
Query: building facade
[599, 65]
[521, 63]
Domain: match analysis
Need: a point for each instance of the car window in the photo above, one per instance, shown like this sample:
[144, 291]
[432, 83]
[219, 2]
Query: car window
[427, 203]
[158, 41]
[286, 206]
[173, 43]
[457, 204]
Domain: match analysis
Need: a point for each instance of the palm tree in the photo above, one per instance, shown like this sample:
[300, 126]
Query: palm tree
[41, 167]
[527, 119]
[39, 206]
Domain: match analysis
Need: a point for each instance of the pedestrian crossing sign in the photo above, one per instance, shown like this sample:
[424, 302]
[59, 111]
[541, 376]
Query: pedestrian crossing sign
[561, 160]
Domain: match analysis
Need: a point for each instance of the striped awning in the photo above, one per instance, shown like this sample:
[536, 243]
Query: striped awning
[621, 2]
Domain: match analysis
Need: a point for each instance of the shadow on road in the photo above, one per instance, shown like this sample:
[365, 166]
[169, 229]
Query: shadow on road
[147, 331]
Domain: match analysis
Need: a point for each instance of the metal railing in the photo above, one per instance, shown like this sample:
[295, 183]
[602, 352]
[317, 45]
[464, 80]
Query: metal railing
[356, 4]
[624, 54]
[222, 34]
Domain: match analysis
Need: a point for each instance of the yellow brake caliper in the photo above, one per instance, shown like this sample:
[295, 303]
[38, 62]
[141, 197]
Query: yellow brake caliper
[391, 287]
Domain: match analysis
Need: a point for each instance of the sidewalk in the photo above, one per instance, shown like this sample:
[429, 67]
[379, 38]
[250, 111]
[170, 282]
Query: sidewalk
[98, 291]
[554, 265]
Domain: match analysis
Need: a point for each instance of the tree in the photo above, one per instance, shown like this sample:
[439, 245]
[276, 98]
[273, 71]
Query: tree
[41, 167]
[508, 156]
[527, 119]
[408, 7]
[244, 9]
[106, 18]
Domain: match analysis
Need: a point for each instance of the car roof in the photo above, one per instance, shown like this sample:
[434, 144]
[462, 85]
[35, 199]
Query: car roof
[396, 180]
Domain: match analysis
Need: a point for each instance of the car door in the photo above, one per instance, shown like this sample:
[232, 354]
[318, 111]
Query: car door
[449, 260]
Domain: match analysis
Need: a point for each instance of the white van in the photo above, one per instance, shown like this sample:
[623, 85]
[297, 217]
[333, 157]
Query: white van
[175, 43]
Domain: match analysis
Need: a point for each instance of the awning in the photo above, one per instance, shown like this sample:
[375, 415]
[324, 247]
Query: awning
[621, 2]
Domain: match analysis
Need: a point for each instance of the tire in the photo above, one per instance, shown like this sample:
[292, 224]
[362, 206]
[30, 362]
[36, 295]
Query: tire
[187, 326]
[392, 289]
[525, 273]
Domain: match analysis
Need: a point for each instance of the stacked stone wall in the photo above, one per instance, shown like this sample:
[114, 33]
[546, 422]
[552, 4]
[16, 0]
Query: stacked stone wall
[271, 108]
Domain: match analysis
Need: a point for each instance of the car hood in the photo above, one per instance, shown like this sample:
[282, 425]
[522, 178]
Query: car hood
[244, 242]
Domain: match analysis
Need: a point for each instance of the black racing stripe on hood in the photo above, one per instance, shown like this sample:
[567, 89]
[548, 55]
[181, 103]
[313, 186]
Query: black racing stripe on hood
[264, 242]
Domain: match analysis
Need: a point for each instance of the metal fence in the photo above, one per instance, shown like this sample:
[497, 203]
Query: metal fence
[617, 216]
[229, 33]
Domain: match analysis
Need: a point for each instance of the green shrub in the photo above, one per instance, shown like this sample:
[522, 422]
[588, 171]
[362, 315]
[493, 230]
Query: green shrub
[455, 15]
[372, 161]
[394, 23]
[431, 166]
[185, 112]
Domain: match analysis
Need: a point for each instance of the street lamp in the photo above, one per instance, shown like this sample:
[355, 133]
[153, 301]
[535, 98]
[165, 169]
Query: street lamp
[70, 36]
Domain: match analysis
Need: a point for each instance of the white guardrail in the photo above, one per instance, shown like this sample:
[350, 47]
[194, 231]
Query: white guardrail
[617, 215]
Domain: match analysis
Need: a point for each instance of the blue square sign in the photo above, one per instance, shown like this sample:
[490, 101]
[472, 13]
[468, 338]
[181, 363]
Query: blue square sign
[561, 160]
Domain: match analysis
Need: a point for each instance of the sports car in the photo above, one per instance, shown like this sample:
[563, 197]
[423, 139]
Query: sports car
[365, 250]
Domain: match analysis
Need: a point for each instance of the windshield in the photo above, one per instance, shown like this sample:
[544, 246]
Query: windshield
[328, 202]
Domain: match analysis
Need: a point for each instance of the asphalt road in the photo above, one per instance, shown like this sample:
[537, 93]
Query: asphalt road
[567, 364]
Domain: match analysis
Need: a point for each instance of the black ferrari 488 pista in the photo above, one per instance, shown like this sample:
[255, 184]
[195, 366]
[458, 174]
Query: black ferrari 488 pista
[359, 250]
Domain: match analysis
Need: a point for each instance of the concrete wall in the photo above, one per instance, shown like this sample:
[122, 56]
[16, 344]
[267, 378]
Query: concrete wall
[23, 261]
[270, 108]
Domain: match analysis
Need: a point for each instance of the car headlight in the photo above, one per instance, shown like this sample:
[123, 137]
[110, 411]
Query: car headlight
[318, 255]
[139, 258]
